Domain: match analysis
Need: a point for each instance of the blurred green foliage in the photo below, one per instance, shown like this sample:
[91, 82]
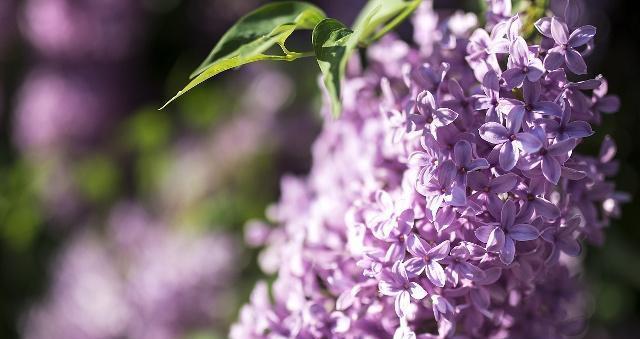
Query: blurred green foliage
[20, 218]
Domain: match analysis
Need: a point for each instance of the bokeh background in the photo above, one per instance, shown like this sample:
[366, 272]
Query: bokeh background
[121, 221]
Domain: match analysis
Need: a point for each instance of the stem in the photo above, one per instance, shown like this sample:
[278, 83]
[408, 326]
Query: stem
[290, 56]
[393, 23]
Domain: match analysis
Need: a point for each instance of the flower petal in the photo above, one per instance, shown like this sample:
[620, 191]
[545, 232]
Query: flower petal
[581, 36]
[528, 142]
[425, 102]
[508, 252]
[577, 129]
[399, 269]
[491, 84]
[483, 233]
[499, 46]
[395, 252]
[572, 12]
[546, 209]
[416, 291]
[417, 246]
[543, 25]
[384, 200]
[494, 133]
[471, 272]
[496, 240]
[551, 169]
[446, 173]
[608, 104]
[503, 183]
[508, 213]
[553, 60]
[388, 287]
[458, 197]
[570, 247]
[402, 303]
[513, 77]
[480, 298]
[562, 148]
[536, 70]
[519, 52]
[478, 180]
[418, 159]
[547, 107]
[440, 252]
[435, 273]
[523, 232]
[462, 153]
[559, 31]
[415, 265]
[443, 117]
[575, 62]
[508, 156]
[478, 164]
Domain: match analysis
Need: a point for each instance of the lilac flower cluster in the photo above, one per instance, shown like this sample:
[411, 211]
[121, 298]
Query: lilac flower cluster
[58, 107]
[449, 199]
[79, 30]
[75, 91]
[141, 281]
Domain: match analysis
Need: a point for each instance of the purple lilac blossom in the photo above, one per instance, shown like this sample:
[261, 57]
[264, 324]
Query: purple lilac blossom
[141, 280]
[59, 107]
[100, 30]
[465, 228]
[566, 44]
[523, 65]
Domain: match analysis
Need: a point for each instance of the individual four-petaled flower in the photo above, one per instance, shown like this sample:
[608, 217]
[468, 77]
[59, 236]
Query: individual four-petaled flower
[565, 128]
[441, 188]
[509, 142]
[395, 283]
[428, 114]
[490, 99]
[566, 44]
[427, 259]
[463, 159]
[549, 158]
[502, 238]
[562, 239]
[523, 113]
[523, 64]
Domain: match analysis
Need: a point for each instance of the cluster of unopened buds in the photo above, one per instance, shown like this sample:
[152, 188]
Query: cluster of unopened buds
[449, 199]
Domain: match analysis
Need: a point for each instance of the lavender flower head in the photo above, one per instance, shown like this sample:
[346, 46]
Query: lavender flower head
[141, 281]
[449, 200]
[58, 108]
[103, 30]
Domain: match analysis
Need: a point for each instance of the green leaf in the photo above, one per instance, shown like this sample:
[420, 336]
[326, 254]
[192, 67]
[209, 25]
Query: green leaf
[261, 29]
[253, 35]
[227, 64]
[333, 43]
[379, 17]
